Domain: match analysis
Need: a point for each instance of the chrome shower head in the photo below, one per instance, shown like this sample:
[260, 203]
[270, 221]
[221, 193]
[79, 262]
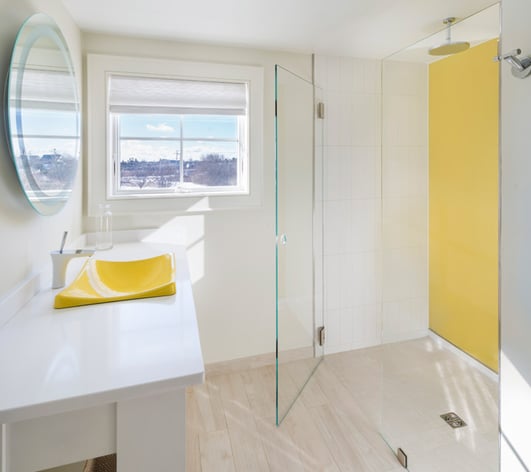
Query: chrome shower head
[449, 46]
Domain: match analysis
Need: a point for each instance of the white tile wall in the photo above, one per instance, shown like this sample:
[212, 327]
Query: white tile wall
[404, 273]
[405, 222]
[404, 170]
[366, 172]
[405, 201]
[375, 215]
[352, 201]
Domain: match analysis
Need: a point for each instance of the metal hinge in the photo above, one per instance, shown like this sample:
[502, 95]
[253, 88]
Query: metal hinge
[402, 458]
[321, 110]
[321, 335]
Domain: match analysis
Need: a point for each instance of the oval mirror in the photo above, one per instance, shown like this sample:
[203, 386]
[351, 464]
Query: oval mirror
[43, 119]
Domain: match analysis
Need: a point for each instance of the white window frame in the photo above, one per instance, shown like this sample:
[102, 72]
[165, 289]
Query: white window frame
[99, 144]
[241, 188]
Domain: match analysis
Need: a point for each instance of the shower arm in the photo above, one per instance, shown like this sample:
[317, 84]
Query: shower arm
[521, 68]
[449, 22]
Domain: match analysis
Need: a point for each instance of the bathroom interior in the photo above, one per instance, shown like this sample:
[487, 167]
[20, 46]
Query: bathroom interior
[364, 286]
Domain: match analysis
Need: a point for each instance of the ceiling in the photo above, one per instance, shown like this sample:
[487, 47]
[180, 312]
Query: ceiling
[358, 28]
[476, 29]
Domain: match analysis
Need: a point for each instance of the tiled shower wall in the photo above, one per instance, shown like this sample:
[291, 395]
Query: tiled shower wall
[362, 282]
[352, 201]
[405, 200]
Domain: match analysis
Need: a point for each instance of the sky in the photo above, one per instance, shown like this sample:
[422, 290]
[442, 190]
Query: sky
[60, 123]
[168, 126]
[47, 122]
[194, 126]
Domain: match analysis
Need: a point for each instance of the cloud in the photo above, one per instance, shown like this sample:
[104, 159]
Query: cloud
[155, 150]
[147, 151]
[163, 127]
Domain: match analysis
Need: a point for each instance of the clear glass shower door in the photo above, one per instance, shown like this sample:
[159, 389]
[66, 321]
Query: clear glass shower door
[298, 233]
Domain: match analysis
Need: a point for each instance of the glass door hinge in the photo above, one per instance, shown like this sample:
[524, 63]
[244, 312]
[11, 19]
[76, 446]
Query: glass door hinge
[321, 110]
[321, 335]
[402, 458]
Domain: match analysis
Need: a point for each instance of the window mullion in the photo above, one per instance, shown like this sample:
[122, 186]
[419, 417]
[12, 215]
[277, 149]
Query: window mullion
[115, 122]
[242, 151]
[181, 152]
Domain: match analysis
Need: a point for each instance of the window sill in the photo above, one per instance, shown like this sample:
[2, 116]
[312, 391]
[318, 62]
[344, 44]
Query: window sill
[171, 204]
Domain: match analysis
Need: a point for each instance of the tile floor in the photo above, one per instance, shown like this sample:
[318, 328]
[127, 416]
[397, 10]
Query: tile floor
[356, 405]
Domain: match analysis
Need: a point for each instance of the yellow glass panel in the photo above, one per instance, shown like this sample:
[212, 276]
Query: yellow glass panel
[463, 203]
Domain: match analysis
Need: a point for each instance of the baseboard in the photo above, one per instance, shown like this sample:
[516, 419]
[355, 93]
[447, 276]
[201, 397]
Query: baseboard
[404, 336]
[463, 355]
[236, 365]
[255, 362]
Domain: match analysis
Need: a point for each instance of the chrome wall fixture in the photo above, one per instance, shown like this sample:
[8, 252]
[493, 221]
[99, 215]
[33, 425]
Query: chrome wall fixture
[521, 67]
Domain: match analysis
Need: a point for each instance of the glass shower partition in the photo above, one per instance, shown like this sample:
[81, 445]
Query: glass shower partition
[438, 408]
[298, 164]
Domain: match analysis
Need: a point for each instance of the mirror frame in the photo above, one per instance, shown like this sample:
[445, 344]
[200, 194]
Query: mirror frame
[36, 27]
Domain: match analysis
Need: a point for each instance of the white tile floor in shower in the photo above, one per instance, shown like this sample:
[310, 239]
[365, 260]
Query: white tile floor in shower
[421, 381]
[354, 401]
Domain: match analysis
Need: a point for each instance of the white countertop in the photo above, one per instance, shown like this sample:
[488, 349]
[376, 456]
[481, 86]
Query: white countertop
[53, 361]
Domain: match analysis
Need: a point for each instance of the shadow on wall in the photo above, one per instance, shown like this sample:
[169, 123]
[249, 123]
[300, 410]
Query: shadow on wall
[188, 231]
[233, 278]
[12, 200]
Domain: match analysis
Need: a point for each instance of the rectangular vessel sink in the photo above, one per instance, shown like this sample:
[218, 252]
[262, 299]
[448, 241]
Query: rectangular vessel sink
[101, 281]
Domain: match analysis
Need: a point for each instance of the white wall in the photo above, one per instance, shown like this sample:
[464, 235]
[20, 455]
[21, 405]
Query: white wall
[25, 237]
[515, 255]
[375, 201]
[231, 252]
[352, 201]
[405, 200]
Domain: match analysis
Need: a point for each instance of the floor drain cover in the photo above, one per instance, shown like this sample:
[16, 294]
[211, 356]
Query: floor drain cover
[453, 420]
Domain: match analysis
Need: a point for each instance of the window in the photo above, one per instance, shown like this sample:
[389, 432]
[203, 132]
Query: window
[173, 136]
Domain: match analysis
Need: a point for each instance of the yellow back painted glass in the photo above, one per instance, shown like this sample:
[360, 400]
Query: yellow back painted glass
[101, 281]
[463, 202]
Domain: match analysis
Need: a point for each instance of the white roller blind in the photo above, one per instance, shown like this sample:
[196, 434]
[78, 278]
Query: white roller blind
[129, 94]
[43, 89]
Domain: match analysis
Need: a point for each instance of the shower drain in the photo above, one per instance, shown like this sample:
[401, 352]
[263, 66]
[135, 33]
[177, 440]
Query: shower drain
[453, 420]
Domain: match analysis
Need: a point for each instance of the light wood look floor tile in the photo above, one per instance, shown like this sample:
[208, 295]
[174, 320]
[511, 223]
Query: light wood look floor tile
[336, 424]
[248, 451]
[281, 451]
[313, 451]
[216, 452]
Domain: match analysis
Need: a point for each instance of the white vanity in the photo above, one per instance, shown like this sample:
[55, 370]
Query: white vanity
[83, 382]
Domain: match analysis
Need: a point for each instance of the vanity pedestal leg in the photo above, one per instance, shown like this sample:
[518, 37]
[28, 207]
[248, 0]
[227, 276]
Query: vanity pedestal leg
[150, 433]
[3, 448]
